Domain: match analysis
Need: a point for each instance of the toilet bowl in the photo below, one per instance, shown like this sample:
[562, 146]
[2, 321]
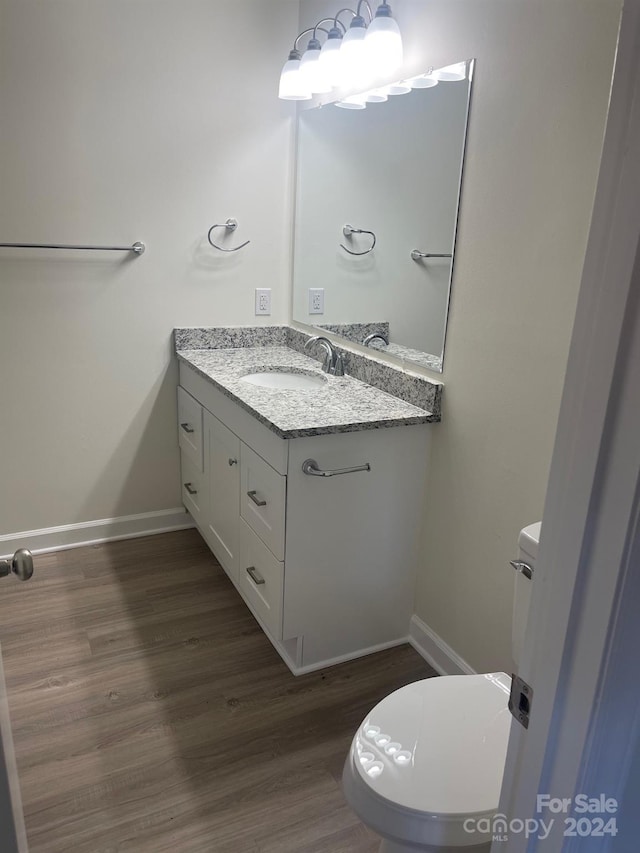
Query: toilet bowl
[425, 767]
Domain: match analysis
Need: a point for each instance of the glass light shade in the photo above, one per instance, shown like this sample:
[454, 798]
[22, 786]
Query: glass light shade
[292, 85]
[422, 81]
[354, 58]
[330, 61]
[399, 88]
[312, 72]
[384, 45]
[451, 73]
[354, 102]
[376, 96]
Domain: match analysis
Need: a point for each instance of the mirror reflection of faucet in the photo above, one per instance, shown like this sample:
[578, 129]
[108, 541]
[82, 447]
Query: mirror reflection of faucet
[375, 336]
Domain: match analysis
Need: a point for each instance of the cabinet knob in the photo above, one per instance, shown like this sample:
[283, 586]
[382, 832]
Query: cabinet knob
[233, 461]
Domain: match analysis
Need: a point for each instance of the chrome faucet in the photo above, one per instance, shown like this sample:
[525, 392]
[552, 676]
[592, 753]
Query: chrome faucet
[372, 337]
[332, 363]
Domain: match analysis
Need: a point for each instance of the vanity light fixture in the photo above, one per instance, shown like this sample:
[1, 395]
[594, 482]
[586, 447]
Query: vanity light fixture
[353, 102]
[451, 73]
[349, 58]
[423, 81]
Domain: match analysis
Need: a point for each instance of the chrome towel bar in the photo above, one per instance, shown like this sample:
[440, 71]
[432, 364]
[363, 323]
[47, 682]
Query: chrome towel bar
[310, 467]
[417, 254]
[137, 248]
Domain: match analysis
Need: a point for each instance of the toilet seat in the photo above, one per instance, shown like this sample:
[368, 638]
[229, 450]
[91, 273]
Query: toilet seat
[430, 756]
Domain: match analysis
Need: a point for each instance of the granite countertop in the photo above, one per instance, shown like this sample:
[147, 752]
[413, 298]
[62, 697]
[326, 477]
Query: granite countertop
[341, 404]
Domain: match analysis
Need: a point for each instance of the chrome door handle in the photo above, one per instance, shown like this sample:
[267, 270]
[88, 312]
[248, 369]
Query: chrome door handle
[21, 565]
[256, 500]
[191, 490]
[310, 466]
[255, 576]
[187, 428]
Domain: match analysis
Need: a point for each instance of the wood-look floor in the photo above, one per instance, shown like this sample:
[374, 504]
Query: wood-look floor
[150, 713]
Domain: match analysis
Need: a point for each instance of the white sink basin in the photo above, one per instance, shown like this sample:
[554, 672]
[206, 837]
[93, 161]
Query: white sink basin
[285, 379]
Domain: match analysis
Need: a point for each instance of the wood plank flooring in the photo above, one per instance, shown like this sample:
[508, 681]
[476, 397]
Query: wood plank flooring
[151, 714]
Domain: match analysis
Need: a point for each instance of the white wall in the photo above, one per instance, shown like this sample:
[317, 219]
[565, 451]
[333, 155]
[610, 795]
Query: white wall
[537, 116]
[124, 121]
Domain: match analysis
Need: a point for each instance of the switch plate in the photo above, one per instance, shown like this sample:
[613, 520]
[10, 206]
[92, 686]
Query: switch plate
[316, 300]
[263, 300]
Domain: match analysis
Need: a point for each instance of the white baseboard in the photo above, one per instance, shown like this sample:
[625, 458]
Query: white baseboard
[94, 532]
[323, 664]
[435, 651]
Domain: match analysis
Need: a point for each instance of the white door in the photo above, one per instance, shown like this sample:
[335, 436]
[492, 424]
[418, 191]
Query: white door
[580, 653]
[13, 837]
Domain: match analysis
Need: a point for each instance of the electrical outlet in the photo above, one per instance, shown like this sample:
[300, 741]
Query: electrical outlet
[316, 300]
[263, 300]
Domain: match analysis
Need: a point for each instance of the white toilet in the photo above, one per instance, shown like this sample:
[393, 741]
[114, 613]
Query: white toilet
[428, 760]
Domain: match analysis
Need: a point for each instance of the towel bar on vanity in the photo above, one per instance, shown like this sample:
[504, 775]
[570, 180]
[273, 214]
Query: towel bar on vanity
[310, 467]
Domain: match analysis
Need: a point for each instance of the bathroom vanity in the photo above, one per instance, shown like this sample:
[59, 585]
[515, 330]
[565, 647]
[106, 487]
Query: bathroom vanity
[310, 497]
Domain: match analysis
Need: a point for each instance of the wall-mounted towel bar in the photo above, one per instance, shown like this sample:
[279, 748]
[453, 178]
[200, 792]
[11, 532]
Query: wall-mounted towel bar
[137, 248]
[417, 254]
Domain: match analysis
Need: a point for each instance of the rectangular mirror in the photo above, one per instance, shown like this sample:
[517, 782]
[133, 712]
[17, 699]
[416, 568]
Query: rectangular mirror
[377, 195]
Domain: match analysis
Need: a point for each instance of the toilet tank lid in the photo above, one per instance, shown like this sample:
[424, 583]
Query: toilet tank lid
[529, 539]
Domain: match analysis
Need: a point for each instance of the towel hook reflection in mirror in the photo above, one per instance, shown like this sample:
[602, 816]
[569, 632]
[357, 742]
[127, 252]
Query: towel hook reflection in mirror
[348, 230]
[230, 225]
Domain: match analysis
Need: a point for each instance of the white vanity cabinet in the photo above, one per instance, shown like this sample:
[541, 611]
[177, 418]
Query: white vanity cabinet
[326, 564]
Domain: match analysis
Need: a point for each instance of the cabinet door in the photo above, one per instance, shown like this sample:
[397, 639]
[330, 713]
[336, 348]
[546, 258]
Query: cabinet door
[222, 469]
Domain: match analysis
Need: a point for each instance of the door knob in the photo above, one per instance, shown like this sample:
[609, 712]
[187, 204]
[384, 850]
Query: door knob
[21, 565]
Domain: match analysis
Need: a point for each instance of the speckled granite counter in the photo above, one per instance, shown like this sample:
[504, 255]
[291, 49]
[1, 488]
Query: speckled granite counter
[341, 404]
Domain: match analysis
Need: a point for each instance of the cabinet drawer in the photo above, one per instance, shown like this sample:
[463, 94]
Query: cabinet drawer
[261, 580]
[262, 499]
[194, 489]
[190, 428]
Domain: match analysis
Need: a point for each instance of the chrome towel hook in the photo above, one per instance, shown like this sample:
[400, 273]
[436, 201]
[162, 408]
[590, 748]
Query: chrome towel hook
[348, 230]
[230, 225]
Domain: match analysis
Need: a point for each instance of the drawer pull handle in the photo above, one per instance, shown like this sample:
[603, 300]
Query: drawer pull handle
[190, 489]
[255, 576]
[256, 500]
[233, 462]
[310, 467]
[187, 428]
